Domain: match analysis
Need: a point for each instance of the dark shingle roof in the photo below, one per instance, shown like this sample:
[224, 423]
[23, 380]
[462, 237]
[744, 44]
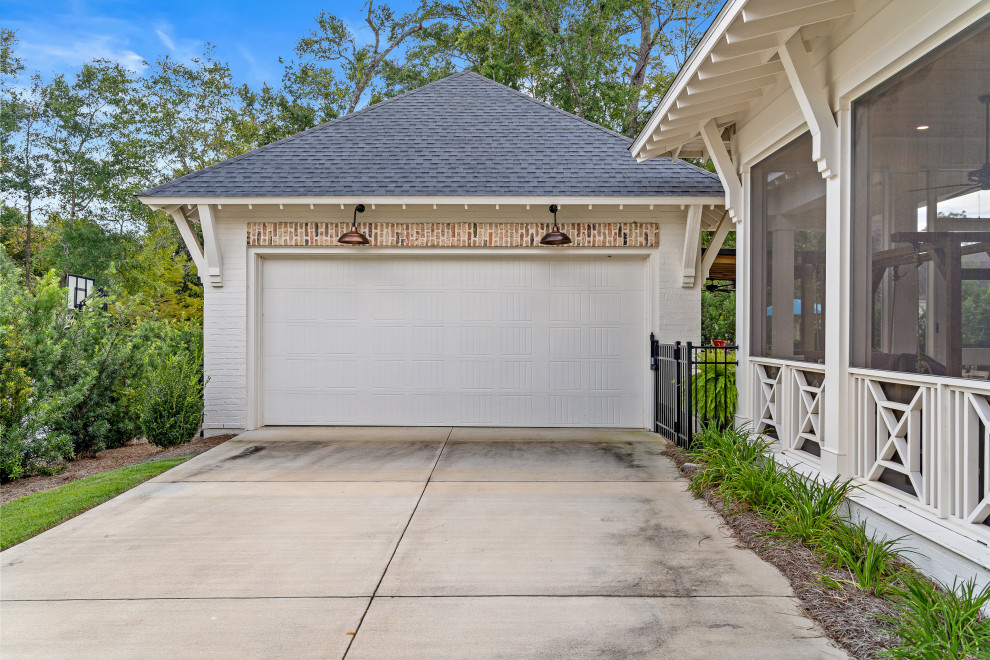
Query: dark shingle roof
[463, 135]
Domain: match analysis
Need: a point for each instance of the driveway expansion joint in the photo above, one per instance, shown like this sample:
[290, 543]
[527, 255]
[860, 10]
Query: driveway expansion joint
[357, 628]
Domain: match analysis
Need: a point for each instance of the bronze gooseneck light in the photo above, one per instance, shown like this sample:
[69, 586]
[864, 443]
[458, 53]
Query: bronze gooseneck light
[555, 236]
[354, 237]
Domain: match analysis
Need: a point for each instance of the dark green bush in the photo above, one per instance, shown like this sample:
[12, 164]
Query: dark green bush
[28, 441]
[82, 358]
[75, 381]
[173, 399]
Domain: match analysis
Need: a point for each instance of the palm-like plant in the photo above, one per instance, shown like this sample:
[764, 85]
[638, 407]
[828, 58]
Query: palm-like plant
[713, 386]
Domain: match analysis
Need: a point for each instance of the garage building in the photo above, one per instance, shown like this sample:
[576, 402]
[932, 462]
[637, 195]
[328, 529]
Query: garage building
[453, 313]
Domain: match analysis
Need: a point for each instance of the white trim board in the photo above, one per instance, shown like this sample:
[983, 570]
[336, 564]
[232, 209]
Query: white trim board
[351, 200]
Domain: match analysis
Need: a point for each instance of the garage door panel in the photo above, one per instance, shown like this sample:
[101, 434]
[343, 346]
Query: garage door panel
[566, 410]
[515, 375]
[603, 375]
[566, 375]
[605, 307]
[531, 342]
[565, 306]
[426, 306]
[477, 340]
[478, 374]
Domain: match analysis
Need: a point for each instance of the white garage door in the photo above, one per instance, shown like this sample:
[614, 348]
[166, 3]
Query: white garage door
[454, 341]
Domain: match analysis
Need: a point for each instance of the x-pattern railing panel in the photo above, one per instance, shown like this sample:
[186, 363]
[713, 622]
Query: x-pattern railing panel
[898, 435]
[809, 410]
[769, 396]
[973, 439]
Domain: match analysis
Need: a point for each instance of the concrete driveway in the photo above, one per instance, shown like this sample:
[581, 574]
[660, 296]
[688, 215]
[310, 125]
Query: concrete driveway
[403, 543]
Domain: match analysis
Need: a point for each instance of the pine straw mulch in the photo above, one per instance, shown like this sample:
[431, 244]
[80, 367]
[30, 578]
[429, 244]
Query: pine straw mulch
[134, 452]
[848, 616]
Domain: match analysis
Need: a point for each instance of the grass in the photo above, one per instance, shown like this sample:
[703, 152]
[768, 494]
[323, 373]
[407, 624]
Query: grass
[933, 621]
[31, 515]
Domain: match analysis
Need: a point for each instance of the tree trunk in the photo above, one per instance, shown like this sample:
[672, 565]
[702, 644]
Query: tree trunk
[27, 247]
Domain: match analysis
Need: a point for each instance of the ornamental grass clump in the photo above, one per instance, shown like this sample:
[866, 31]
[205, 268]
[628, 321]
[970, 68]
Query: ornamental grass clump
[810, 512]
[874, 564]
[934, 622]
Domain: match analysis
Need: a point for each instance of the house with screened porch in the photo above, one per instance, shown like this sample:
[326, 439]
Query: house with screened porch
[852, 138]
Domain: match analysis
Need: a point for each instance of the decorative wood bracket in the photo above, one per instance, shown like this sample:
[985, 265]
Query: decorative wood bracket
[692, 242]
[214, 259]
[725, 167]
[189, 237]
[721, 231]
[812, 97]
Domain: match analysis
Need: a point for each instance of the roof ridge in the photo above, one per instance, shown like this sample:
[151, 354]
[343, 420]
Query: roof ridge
[569, 115]
[289, 138]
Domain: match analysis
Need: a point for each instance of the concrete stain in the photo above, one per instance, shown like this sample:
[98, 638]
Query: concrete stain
[244, 453]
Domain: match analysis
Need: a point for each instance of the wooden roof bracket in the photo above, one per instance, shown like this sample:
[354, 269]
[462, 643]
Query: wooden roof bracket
[214, 259]
[178, 213]
[712, 136]
[812, 97]
[721, 231]
[692, 246]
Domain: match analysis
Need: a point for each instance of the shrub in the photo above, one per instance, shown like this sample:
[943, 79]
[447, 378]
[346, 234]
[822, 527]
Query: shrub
[874, 564]
[939, 623]
[31, 446]
[713, 386]
[173, 400]
[27, 441]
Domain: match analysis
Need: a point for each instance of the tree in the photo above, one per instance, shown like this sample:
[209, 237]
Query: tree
[91, 117]
[268, 115]
[24, 175]
[336, 73]
[187, 114]
[604, 60]
[667, 32]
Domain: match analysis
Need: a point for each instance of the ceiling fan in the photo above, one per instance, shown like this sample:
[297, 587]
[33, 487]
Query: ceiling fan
[978, 179]
[724, 287]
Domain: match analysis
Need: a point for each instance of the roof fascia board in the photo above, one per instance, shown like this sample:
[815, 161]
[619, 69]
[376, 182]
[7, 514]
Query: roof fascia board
[673, 200]
[701, 52]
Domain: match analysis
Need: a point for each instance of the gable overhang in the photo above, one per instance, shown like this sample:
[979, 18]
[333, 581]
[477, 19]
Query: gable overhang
[752, 47]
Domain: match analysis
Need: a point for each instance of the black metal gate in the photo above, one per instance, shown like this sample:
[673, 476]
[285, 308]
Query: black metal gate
[692, 385]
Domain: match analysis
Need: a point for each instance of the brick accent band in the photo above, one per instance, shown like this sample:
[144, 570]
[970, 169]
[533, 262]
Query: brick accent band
[453, 234]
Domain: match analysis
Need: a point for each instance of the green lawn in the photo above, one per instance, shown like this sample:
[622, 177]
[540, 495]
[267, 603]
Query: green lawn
[31, 515]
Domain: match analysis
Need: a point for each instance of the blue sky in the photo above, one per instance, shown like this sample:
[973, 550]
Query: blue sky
[57, 35]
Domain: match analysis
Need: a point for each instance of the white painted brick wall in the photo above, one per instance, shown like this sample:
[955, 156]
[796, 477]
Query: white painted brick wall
[225, 334]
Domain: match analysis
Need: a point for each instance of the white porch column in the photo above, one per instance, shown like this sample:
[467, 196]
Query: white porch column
[837, 422]
[744, 372]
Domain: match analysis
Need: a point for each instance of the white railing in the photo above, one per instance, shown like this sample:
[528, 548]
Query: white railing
[789, 399]
[925, 439]
[767, 394]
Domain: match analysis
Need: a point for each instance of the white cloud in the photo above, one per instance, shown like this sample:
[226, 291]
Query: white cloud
[56, 56]
[165, 39]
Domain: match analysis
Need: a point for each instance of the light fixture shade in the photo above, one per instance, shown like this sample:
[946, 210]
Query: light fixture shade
[354, 237]
[555, 236]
